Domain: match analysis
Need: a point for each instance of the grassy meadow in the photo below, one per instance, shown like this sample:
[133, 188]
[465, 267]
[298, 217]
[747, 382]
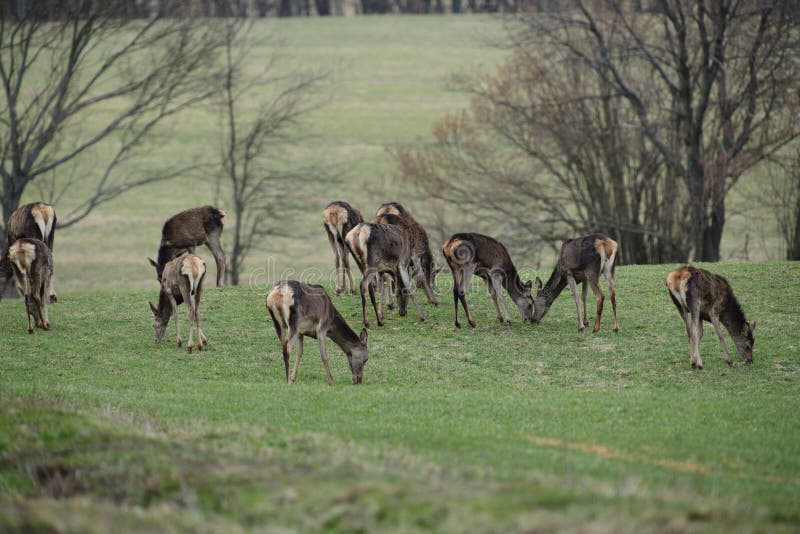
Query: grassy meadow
[497, 429]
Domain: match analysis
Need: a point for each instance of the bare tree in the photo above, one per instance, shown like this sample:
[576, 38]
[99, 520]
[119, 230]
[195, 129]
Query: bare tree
[782, 196]
[62, 63]
[727, 69]
[259, 186]
[608, 118]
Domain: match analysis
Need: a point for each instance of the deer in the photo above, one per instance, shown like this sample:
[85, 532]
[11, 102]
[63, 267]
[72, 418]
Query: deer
[36, 220]
[469, 253]
[338, 218]
[298, 310]
[700, 295]
[32, 263]
[190, 228]
[382, 248]
[580, 261]
[421, 256]
[180, 280]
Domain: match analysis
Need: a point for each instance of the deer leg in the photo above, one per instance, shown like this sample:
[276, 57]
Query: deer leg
[574, 288]
[697, 336]
[584, 294]
[45, 298]
[299, 338]
[385, 291]
[212, 242]
[335, 247]
[612, 291]
[598, 295]
[285, 347]
[51, 290]
[403, 271]
[323, 353]
[29, 312]
[495, 289]
[175, 314]
[718, 328]
[466, 275]
[346, 264]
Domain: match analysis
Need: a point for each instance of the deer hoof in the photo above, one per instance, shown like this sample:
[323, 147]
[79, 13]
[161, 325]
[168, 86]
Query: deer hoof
[729, 362]
[595, 329]
[616, 329]
[180, 343]
[581, 328]
[473, 324]
[53, 298]
[30, 331]
[458, 325]
[189, 349]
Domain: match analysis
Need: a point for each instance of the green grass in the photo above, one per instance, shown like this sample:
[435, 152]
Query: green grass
[496, 429]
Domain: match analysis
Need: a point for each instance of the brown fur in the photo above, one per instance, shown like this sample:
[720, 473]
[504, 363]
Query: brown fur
[189, 229]
[32, 263]
[424, 270]
[700, 295]
[36, 220]
[581, 261]
[467, 254]
[338, 218]
[299, 310]
[180, 280]
[382, 248]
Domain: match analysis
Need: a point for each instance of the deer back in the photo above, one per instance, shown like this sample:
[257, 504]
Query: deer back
[378, 246]
[35, 220]
[188, 229]
[341, 216]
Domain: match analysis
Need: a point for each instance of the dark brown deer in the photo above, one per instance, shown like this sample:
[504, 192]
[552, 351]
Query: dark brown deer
[382, 248]
[181, 280]
[36, 220]
[299, 310]
[32, 263]
[701, 296]
[424, 270]
[581, 260]
[469, 254]
[189, 229]
[338, 218]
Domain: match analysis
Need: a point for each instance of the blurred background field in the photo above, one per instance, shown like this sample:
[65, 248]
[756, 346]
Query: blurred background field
[389, 85]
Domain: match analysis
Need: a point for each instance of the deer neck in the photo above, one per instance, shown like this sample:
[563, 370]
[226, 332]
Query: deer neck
[733, 318]
[164, 307]
[513, 283]
[341, 333]
[554, 286]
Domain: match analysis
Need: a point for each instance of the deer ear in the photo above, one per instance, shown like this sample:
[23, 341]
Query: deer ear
[753, 327]
[538, 284]
[528, 286]
[153, 308]
[154, 264]
[439, 269]
[363, 337]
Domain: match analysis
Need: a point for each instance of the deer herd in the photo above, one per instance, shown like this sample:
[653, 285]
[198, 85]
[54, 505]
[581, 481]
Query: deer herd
[391, 250]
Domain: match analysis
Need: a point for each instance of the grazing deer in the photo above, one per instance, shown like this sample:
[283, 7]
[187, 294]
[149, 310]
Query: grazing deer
[421, 255]
[36, 220]
[709, 297]
[32, 263]
[338, 218]
[181, 280]
[581, 260]
[299, 310]
[469, 254]
[189, 229]
[382, 248]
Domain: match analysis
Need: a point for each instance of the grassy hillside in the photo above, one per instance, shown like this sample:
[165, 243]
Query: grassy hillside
[496, 429]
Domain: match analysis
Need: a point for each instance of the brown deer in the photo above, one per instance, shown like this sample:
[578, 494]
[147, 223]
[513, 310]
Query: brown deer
[338, 218]
[32, 263]
[469, 254]
[382, 248]
[181, 280]
[581, 260]
[421, 256]
[189, 229]
[36, 220]
[299, 310]
[709, 297]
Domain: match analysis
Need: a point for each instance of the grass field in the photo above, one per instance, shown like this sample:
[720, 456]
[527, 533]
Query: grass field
[496, 429]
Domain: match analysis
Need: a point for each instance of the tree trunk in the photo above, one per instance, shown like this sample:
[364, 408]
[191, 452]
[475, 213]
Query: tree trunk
[712, 233]
[793, 252]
